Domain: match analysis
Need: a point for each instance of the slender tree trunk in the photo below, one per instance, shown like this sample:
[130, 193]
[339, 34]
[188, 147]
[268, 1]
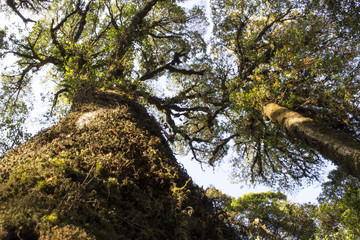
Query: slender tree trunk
[104, 172]
[336, 146]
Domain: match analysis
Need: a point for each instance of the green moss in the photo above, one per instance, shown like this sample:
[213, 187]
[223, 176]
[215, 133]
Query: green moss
[112, 178]
[66, 232]
[51, 218]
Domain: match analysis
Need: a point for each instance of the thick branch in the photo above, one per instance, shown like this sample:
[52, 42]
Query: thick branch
[185, 71]
[12, 5]
[132, 32]
[53, 30]
[334, 145]
[220, 147]
[82, 22]
[267, 27]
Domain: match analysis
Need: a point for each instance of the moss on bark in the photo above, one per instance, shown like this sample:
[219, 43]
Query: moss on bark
[104, 172]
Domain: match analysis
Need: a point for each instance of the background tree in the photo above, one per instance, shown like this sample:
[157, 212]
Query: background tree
[266, 215]
[12, 132]
[344, 15]
[338, 212]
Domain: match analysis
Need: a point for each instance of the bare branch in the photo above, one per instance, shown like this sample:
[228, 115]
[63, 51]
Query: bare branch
[13, 6]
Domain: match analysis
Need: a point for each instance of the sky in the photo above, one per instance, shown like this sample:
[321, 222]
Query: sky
[205, 176]
[220, 177]
[202, 174]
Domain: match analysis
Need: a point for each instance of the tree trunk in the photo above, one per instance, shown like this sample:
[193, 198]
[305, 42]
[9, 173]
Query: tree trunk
[336, 146]
[104, 172]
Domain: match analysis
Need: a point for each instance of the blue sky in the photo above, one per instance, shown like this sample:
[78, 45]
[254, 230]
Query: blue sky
[220, 177]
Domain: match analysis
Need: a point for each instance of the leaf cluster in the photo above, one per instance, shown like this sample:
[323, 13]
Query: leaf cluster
[284, 52]
[338, 212]
[266, 215]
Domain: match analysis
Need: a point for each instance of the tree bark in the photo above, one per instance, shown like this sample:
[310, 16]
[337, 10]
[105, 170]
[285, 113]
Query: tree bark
[104, 172]
[334, 145]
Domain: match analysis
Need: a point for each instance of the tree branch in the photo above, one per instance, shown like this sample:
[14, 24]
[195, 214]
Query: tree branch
[13, 6]
[82, 23]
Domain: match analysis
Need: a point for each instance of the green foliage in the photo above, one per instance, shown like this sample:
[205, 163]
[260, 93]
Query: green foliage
[116, 175]
[267, 215]
[100, 45]
[343, 14]
[12, 132]
[287, 53]
[2, 42]
[339, 210]
[115, 178]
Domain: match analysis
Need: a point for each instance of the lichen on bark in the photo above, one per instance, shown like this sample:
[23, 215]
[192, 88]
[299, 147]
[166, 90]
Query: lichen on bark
[334, 145]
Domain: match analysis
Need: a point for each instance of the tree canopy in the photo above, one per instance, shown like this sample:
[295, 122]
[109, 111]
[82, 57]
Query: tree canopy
[285, 52]
[301, 55]
[277, 83]
[339, 209]
[266, 215]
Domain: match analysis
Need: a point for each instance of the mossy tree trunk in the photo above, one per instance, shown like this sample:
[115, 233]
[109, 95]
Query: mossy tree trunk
[336, 146]
[104, 172]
